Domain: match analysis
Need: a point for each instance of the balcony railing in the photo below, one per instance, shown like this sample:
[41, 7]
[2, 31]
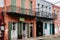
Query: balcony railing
[24, 11]
[45, 14]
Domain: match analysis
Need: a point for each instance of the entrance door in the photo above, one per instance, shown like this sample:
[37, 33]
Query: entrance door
[24, 31]
[53, 32]
[14, 31]
[52, 28]
[39, 28]
[31, 29]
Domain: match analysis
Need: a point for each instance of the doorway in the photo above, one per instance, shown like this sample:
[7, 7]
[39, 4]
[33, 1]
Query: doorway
[22, 30]
[39, 28]
[12, 31]
[53, 31]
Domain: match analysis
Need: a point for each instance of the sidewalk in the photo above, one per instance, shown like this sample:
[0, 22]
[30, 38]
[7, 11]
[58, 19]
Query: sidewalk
[51, 37]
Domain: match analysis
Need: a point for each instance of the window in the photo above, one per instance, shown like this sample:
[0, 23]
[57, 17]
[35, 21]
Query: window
[23, 26]
[49, 7]
[42, 6]
[38, 4]
[46, 6]
[31, 4]
[45, 25]
[13, 26]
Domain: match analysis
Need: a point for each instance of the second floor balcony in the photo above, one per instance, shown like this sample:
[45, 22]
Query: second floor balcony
[47, 15]
[20, 11]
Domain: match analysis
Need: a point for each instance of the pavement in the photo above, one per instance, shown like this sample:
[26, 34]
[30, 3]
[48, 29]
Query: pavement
[51, 37]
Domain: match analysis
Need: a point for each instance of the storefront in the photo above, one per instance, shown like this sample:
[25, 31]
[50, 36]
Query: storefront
[20, 27]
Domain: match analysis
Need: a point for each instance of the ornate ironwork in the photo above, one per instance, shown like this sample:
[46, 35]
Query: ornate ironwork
[25, 11]
[46, 14]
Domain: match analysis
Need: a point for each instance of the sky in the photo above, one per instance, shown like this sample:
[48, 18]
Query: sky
[54, 1]
[1, 3]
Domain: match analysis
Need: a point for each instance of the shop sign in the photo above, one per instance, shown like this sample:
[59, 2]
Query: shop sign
[21, 19]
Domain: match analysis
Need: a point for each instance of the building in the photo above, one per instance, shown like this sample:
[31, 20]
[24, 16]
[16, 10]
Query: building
[56, 10]
[1, 20]
[19, 18]
[1, 24]
[44, 24]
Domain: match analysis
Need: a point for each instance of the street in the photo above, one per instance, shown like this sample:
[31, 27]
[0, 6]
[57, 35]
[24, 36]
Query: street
[41, 39]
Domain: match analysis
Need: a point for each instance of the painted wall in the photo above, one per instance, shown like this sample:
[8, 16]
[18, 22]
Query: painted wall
[45, 3]
[57, 21]
[1, 17]
[12, 19]
[49, 5]
[0, 12]
[46, 30]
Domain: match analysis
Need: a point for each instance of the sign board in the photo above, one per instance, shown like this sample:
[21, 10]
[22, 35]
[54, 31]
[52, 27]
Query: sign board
[21, 19]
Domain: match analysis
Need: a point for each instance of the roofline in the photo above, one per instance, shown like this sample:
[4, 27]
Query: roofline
[47, 1]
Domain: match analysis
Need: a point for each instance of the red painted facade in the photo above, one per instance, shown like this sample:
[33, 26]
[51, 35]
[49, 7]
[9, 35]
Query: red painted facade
[8, 18]
[1, 17]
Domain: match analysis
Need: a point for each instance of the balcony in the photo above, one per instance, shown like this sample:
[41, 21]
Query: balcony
[46, 15]
[17, 11]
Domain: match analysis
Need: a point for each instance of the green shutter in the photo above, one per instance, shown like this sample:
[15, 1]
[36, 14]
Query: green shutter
[23, 10]
[30, 7]
[13, 3]
[28, 31]
[45, 25]
[20, 29]
[51, 31]
[23, 3]
[50, 28]
[9, 30]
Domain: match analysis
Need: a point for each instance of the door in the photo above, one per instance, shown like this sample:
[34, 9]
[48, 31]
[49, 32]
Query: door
[24, 30]
[31, 29]
[39, 28]
[51, 28]
[14, 31]
[53, 31]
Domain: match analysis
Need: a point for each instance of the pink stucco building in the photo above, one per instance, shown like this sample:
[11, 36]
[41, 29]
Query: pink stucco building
[56, 10]
[20, 18]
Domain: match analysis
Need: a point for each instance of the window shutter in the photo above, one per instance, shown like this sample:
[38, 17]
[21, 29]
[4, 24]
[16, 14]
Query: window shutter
[9, 30]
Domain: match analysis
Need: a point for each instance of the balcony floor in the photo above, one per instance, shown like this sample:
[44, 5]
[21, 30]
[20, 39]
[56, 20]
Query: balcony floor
[20, 15]
[44, 18]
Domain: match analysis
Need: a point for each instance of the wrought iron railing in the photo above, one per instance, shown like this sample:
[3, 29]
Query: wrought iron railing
[54, 15]
[20, 10]
[45, 14]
